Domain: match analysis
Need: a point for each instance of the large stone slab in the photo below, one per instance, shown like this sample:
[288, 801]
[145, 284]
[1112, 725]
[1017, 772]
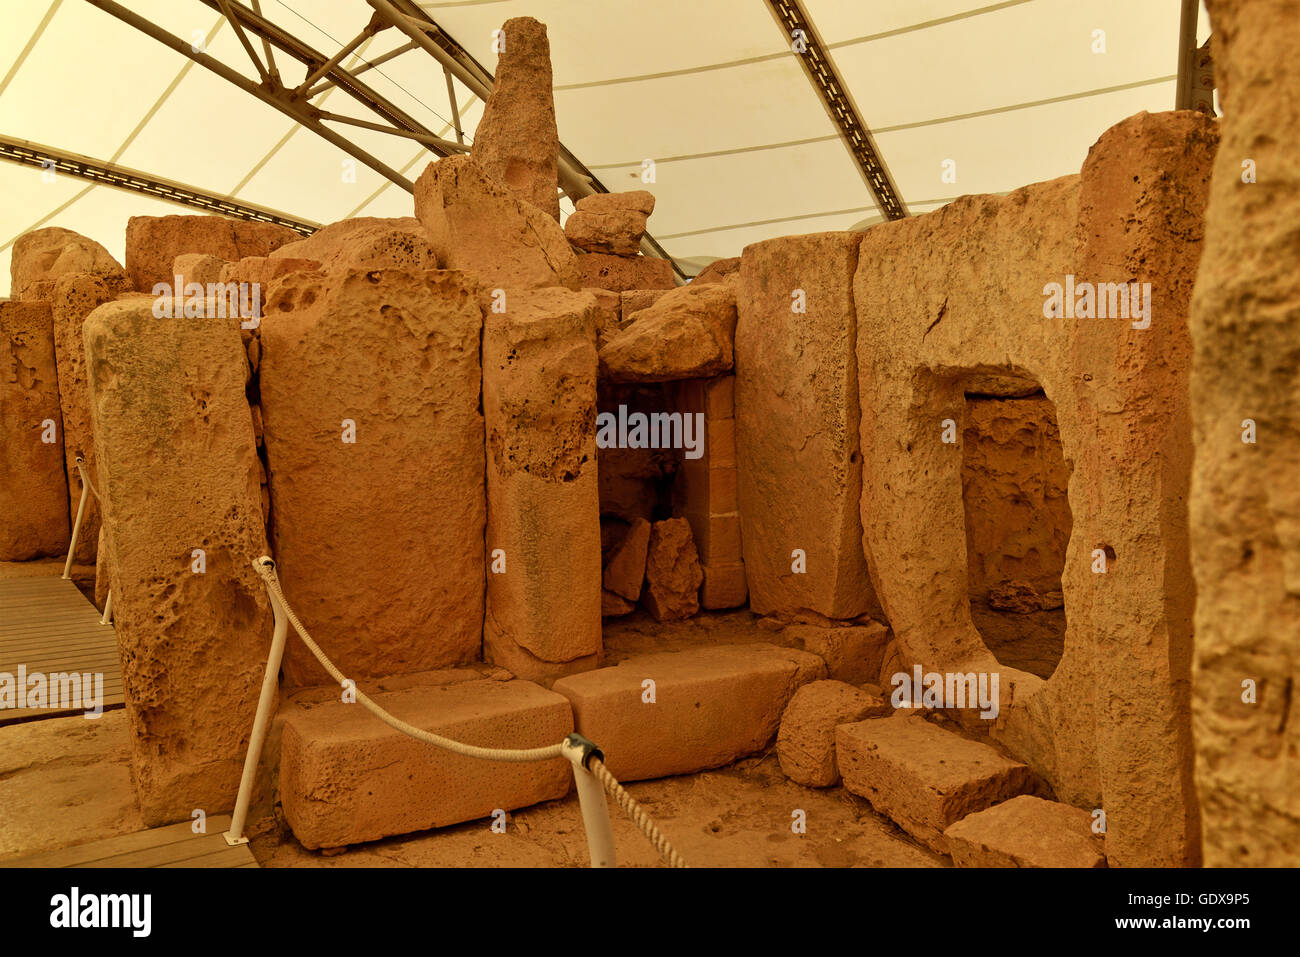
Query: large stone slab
[797, 426]
[701, 709]
[365, 242]
[346, 777]
[1245, 499]
[42, 256]
[686, 334]
[33, 488]
[1026, 831]
[539, 406]
[922, 777]
[478, 225]
[75, 297]
[374, 442]
[177, 471]
[516, 141]
[154, 242]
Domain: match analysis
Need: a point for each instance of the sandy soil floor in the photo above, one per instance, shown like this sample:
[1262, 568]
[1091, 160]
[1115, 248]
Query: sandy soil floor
[67, 781]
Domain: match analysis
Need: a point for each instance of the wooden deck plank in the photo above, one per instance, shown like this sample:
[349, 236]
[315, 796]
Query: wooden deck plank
[90, 854]
[48, 626]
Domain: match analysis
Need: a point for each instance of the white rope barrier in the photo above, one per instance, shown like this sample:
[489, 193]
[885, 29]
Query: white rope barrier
[589, 769]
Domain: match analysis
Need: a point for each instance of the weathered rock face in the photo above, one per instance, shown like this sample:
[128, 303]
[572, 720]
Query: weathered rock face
[854, 654]
[624, 273]
[177, 470]
[516, 141]
[374, 440]
[715, 705]
[718, 270]
[44, 255]
[346, 778]
[797, 424]
[76, 297]
[198, 267]
[1109, 728]
[154, 242]
[33, 488]
[1245, 501]
[610, 222]
[672, 571]
[1018, 524]
[543, 535]
[924, 778]
[1026, 832]
[625, 571]
[686, 334]
[366, 242]
[478, 225]
[805, 745]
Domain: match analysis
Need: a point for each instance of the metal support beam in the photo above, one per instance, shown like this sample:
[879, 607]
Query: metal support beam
[295, 109]
[25, 153]
[1186, 48]
[816, 62]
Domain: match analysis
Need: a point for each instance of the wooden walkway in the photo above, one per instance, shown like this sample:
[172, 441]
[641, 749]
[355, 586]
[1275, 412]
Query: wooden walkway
[175, 845]
[48, 626]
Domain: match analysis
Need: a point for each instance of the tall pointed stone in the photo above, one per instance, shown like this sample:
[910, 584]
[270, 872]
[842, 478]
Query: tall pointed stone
[516, 141]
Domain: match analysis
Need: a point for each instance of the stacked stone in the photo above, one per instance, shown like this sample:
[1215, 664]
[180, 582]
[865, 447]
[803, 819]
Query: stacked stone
[706, 490]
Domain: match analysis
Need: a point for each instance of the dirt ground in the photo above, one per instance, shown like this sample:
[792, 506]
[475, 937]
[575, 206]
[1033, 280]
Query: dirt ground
[67, 781]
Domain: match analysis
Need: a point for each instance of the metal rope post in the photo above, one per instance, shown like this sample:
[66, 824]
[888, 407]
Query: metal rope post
[265, 705]
[107, 617]
[591, 797]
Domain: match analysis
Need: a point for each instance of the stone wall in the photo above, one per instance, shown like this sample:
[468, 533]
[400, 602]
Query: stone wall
[1245, 502]
[953, 301]
[374, 441]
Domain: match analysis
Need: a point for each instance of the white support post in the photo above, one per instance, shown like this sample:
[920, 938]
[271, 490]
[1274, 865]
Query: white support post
[591, 797]
[76, 525]
[107, 618]
[265, 706]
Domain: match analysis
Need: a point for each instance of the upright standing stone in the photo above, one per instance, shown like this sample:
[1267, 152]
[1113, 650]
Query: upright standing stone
[1245, 409]
[33, 488]
[797, 427]
[476, 224]
[539, 405]
[177, 469]
[76, 297]
[374, 442]
[516, 140]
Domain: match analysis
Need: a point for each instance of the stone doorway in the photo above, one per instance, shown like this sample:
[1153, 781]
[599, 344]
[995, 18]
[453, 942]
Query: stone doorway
[1017, 521]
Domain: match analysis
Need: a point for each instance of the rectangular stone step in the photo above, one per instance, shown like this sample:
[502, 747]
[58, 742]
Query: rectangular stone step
[346, 777]
[1026, 831]
[678, 712]
[922, 777]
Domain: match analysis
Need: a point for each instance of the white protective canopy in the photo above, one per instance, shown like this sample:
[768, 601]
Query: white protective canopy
[1010, 93]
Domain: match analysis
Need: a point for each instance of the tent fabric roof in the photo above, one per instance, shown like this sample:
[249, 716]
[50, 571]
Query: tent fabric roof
[1012, 92]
